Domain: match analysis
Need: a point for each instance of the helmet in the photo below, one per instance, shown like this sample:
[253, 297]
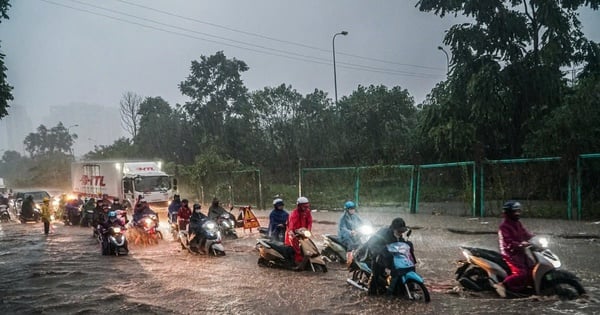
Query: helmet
[176, 197]
[115, 199]
[278, 202]
[46, 199]
[398, 224]
[197, 206]
[184, 201]
[511, 206]
[302, 200]
[349, 205]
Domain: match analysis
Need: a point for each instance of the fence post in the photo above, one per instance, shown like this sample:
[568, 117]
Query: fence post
[357, 185]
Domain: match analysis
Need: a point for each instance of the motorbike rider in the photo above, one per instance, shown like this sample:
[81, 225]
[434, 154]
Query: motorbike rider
[143, 210]
[299, 218]
[277, 219]
[195, 227]
[46, 214]
[174, 207]
[512, 238]
[350, 221]
[183, 214]
[27, 207]
[375, 247]
[111, 221]
[72, 211]
[215, 210]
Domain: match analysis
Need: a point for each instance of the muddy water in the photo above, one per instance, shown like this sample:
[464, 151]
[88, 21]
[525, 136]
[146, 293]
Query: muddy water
[64, 273]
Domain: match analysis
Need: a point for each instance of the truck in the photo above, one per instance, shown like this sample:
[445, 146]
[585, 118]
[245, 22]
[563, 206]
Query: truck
[127, 180]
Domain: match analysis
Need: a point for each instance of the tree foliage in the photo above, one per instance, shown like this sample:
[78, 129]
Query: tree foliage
[5, 88]
[506, 72]
[55, 139]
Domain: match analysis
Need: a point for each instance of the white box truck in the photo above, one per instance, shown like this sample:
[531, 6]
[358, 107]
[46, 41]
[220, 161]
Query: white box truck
[124, 179]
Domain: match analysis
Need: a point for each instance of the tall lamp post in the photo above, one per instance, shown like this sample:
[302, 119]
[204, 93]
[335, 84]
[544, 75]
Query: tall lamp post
[69, 133]
[334, 72]
[447, 59]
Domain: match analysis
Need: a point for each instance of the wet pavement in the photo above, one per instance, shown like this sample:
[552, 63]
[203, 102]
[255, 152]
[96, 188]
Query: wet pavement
[64, 273]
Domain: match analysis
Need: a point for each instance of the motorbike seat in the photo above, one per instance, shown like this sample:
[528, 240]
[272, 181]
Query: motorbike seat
[335, 238]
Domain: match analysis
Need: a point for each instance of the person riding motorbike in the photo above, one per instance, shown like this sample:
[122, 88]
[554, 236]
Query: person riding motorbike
[111, 221]
[27, 207]
[215, 210]
[46, 214]
[196, 220]
[299, 218]
[174, 207]
[183, 214]
[375, 248]
[72, 211]
[512, 238]
[277, 219]
[350, 221]
[143, 210]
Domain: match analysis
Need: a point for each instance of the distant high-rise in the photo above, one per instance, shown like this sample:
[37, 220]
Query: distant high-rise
[14, 128]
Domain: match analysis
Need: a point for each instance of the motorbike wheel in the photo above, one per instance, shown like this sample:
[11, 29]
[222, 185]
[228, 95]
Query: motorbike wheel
[159, 235]
[361, 278]
[5, 218]
[476, 279]
[566, 289]
[418, 291]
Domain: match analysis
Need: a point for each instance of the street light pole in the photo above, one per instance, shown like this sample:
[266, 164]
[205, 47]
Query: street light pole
[334, 72]
[447, 59]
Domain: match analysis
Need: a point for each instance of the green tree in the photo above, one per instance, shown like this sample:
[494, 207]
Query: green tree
[56, 139]
[506, 69]
[5, 88]
[216, 91]
[376, 124]
[122, 148]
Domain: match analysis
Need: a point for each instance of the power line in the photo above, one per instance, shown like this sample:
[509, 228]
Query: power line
[269, 51]
[272, 38]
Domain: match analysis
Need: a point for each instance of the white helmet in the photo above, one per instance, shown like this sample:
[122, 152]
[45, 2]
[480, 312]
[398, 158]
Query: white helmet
[277, 201]
[302, 200]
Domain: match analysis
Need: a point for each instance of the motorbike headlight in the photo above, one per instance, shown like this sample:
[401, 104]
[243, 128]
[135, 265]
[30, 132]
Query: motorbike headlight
[117, 230]
[148, 221]
[365, 230]
[543, 242]
[55, 203]
[210, 225]
[307, 233]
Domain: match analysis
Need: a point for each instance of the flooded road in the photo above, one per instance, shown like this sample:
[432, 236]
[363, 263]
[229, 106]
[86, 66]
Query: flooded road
[64, 273]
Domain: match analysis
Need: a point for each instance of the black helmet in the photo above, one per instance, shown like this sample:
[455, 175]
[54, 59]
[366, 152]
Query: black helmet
[176, 197]
[511, 206]
[197, 206]
[398, 224]
[184, 201]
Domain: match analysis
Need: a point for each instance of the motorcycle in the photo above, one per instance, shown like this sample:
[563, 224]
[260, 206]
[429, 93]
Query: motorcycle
[335, 250]
[483, 268]
[278, 255]
[73, 215]
[149, 224]
[115, 242]
[401, 280]
[206, 239]
[35, 215]
[226, 224]
[4, 215]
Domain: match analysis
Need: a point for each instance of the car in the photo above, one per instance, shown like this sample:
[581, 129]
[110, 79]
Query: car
[38, 198]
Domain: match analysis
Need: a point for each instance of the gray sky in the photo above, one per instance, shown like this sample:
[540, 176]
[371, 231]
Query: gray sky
[57, 55]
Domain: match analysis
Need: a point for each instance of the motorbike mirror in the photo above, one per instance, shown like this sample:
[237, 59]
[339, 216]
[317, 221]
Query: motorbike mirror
[408, 233]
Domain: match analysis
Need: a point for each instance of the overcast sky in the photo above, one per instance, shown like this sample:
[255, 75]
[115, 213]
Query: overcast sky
[64, 51]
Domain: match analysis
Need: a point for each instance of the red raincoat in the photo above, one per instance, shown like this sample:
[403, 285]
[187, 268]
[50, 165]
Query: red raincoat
[510, 236]
[183, 214]
[299, 218]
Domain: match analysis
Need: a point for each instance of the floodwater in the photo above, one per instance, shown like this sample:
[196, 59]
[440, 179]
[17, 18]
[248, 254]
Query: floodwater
[64, 273]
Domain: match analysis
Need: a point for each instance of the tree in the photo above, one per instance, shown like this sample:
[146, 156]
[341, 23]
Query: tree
[56, 139]
[5, 88]
[122, 148]
[130, 117]
[216, 91]
[506, 68]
